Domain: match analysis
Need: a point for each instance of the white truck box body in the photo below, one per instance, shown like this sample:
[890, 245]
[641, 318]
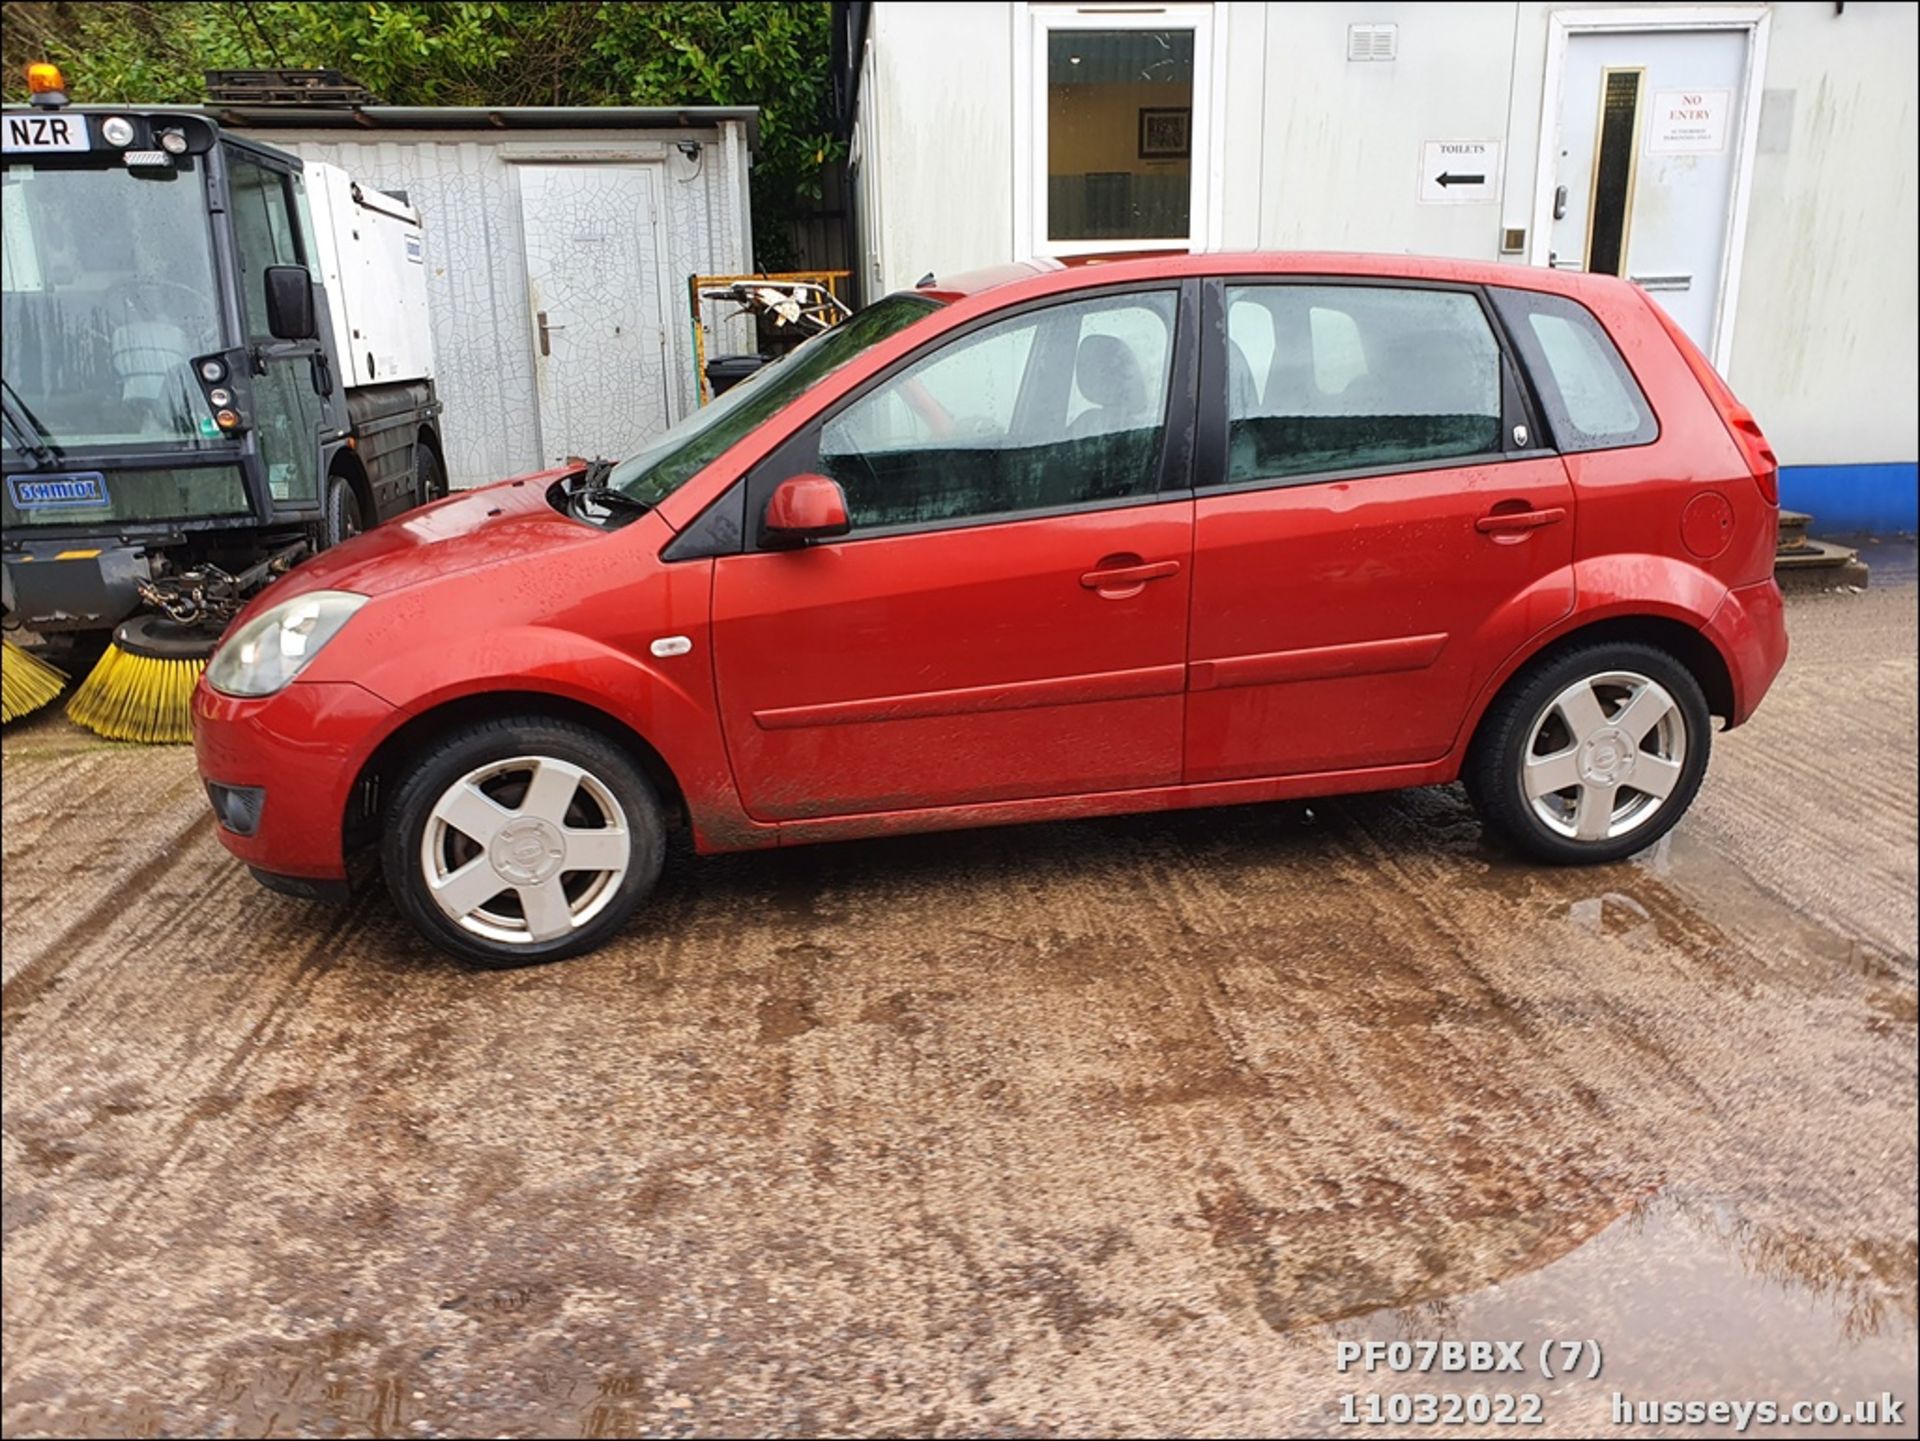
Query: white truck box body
[373, 263]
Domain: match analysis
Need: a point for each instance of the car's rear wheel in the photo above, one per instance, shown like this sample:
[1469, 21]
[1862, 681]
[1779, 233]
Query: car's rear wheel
[518, 841]
[1592, 754]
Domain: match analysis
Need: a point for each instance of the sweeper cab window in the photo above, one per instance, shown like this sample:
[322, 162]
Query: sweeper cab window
[107, 291]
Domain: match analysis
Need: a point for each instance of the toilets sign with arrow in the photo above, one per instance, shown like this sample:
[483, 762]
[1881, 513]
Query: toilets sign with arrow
[1459, 172]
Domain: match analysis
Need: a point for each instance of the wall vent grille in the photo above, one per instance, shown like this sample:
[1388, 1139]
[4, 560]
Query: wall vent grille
[1372, 42]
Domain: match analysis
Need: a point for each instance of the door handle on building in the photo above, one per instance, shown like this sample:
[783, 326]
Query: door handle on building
[1559, 202]
[546, 330]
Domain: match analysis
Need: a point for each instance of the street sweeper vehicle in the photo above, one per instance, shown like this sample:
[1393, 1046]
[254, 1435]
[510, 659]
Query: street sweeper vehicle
[216, 361]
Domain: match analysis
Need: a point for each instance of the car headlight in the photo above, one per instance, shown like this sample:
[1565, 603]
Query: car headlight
[272, 648]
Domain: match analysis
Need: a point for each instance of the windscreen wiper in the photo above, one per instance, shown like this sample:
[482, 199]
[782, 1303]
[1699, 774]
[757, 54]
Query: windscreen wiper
[612, 498]
[27, 435]
[592, 490]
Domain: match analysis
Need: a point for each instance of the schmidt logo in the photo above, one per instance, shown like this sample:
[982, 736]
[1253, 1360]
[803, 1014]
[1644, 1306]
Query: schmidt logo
[30, 493]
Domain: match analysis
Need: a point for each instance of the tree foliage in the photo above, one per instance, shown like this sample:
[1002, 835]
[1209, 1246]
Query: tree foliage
[678, 52]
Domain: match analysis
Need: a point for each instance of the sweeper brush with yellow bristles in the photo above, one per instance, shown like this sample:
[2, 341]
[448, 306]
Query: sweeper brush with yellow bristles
[142, 690]
[26, 682]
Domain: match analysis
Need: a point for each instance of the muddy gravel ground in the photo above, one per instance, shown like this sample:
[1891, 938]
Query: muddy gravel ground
[1102, 1127]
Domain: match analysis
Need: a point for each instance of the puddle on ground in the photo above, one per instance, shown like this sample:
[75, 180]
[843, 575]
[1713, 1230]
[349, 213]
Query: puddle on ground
[1722, 892]
[1687, 1305]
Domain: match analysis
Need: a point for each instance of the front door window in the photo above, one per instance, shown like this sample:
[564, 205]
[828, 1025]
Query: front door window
[1060, 408]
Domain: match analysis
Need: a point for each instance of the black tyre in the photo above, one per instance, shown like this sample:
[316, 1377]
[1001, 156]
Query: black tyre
[1591, 754]
[343, 516]
[523, 840]
[429, 481]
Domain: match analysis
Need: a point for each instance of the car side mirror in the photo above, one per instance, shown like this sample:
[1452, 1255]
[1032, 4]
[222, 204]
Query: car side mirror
[290, 302]
[804, 508]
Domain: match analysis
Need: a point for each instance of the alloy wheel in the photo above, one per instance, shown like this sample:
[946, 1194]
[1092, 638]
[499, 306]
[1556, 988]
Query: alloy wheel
[525, 850]
[1603, 756]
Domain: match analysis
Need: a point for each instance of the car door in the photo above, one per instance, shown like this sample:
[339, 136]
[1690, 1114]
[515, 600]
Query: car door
[1007, 616]
[1376, 527]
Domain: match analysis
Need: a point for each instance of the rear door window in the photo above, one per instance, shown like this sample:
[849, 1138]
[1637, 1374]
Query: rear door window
[1327, 378]
[1590, 397]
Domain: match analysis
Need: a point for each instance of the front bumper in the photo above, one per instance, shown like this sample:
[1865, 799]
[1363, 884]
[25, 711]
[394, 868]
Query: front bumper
[67, 585]
[302, 888]
[1750, 629]
[303, 748]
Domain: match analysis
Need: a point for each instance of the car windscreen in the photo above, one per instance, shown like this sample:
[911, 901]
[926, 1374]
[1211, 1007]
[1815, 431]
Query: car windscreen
[679, 452]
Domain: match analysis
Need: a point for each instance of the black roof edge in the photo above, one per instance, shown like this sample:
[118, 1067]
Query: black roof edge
[487, 117]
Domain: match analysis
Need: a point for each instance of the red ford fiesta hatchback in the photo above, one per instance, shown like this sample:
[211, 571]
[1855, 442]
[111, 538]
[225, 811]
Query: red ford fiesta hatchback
[1042, 542]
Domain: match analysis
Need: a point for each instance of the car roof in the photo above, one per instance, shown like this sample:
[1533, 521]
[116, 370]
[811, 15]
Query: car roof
[1008, 283]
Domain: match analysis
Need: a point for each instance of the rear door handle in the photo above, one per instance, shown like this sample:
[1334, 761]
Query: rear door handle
[1508, 521]
[1114, 577]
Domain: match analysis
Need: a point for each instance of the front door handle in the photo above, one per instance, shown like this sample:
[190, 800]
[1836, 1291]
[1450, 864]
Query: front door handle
[1118, 577]
[546, 331]
[1507, 522]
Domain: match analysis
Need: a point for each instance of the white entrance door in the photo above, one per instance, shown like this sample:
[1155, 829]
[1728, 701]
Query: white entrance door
[593, 290]
[1643, 176]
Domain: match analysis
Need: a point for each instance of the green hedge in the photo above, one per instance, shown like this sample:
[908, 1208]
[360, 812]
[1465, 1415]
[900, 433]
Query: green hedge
[672, 53]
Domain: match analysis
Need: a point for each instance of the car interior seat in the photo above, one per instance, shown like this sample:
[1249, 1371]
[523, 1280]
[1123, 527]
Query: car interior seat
[1243, 391]
[1108, 374]
[149, 358]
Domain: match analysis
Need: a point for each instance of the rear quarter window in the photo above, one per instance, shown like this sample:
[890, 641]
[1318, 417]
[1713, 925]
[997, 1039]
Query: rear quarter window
[1591, 399]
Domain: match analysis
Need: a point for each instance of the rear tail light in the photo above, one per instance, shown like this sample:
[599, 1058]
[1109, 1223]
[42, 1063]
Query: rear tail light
[1760, 457]
[1745, 430]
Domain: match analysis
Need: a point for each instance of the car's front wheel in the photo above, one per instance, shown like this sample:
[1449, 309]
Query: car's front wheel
[1593, 754]
[522, 840]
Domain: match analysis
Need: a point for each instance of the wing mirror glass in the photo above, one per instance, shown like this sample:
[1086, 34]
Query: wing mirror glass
[290, 302]
[804, 508]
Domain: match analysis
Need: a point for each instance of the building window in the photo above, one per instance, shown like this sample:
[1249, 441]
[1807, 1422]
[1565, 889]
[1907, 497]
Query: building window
[1120, 128]
[1119, 134]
